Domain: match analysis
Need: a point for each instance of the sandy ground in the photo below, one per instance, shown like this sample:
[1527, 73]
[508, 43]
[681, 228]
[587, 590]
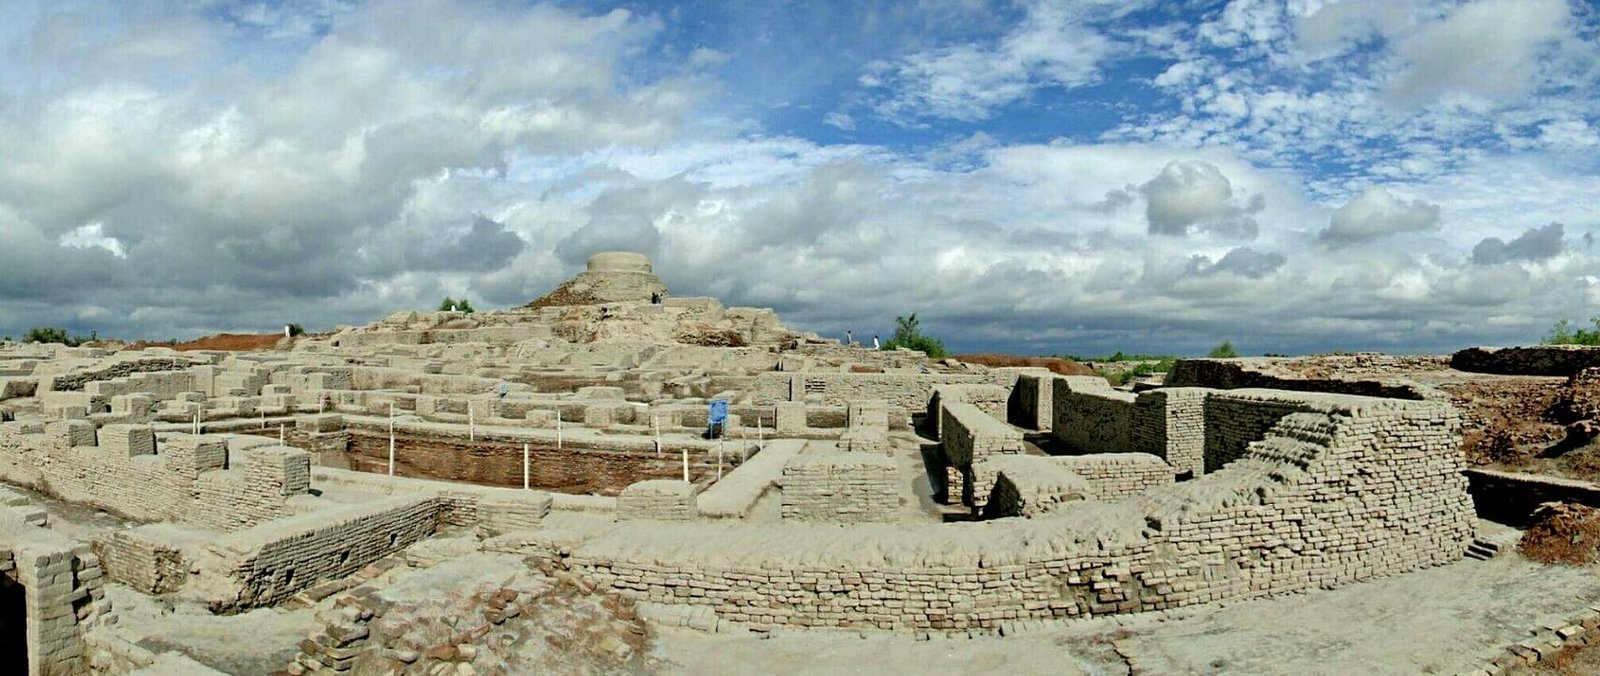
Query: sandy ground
[1442, 620]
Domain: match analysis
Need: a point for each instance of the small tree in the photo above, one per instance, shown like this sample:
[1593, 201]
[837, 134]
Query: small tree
[296, 330]
[1223, 351]
[463, 306]
[908, 334]
[1563, 333]
[447, 305]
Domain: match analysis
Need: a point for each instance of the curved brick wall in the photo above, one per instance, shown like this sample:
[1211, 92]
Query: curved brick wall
[1362, 489]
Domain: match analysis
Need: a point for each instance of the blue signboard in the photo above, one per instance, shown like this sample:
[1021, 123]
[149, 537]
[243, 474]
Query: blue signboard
[718, 413]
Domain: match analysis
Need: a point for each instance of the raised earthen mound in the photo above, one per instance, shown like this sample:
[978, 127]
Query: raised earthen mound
[1563, 533]
[231, 342]
[564, 295]
[1055, 364]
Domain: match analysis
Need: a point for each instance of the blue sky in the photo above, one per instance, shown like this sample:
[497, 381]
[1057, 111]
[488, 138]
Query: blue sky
[1068, 176]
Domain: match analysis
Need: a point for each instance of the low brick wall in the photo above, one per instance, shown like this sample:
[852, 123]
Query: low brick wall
[265, 565]
[1030, 486]
[970, 437]
[1114, 476]
[991, 399]
[1031, 402]
[658, 500]
[841, 487]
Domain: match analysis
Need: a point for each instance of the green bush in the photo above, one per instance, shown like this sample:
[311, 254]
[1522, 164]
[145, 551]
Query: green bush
[296, 330]
[1223, 351]
[56, 334]
[455, 305]
[1563, 333]
[908, 334]
[1119, 378]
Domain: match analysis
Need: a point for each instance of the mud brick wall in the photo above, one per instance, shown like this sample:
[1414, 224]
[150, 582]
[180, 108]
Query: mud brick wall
[841, 487]
[1353, 491]
[265, 565]
[142, 559]
[1230, 374]
[970, 437]
[1114, 476]
[1540, 360]
[903, 391]
[1031, 404]
[1233, 420]
[1171, 425]
[63, 594]
[1091, 417]
[659, 500]
[182, 480]
[76, 381]
[1029, 486]
[991, 399]
[493, 463]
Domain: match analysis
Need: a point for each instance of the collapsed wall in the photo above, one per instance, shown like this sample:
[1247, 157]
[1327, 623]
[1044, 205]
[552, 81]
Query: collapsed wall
[1359, 489]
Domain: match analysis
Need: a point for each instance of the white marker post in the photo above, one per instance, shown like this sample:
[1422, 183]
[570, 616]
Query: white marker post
[391, 439]
[472, 425]
[280, 434]
[263, 417]
[524, 465]
[655, 422]
[686, 464]
[719, 458]
[197, 420]
[558, 428]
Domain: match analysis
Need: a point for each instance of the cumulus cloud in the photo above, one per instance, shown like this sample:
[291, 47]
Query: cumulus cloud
[307, 177]
[1194, 194]
[1377, 213]
[1534, 244]
[1485, 48]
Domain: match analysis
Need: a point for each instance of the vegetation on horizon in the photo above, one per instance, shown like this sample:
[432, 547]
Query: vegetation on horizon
[1223, 351]
[908, 334]
[56, 334]
[1564, 333]
[455, 305]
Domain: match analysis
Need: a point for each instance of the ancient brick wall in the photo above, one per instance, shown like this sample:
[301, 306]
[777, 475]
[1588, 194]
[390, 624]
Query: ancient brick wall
[841, 487]
[1114, 476]
[658, 500]
[179, 479]
[1329, 497]
[970, 437]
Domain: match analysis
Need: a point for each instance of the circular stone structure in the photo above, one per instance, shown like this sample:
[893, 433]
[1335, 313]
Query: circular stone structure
[619, 261]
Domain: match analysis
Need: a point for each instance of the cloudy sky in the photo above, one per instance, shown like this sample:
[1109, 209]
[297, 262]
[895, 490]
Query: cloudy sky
[1039, 176]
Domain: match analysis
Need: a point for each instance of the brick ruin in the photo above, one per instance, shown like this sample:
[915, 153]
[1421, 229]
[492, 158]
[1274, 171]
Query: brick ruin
[848, 488]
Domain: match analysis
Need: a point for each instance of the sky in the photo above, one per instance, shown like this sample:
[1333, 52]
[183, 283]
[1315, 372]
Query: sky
[1038, 177]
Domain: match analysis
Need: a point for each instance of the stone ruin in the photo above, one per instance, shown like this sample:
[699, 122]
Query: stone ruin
[850, 488]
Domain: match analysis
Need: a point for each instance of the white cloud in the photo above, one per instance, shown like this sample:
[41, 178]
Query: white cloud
[1536, 244]
[1195, 194]
[1057, 44]
[1378, 213]
[92, 236]
[1484, 48]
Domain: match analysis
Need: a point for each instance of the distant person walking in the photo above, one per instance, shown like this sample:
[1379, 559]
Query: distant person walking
[848, 338]
[875, 344]
[655, 298]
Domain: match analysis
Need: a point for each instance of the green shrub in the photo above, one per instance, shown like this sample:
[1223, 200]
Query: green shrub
[1223, 351]
[1563, 333]
[455, 305]
[56, 334]
[296, 330]
[908, 334]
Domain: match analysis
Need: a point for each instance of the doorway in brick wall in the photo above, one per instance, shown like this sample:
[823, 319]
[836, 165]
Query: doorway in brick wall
[13, 626]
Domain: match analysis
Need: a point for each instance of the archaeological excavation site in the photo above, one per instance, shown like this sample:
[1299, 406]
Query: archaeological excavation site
[615, 479]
